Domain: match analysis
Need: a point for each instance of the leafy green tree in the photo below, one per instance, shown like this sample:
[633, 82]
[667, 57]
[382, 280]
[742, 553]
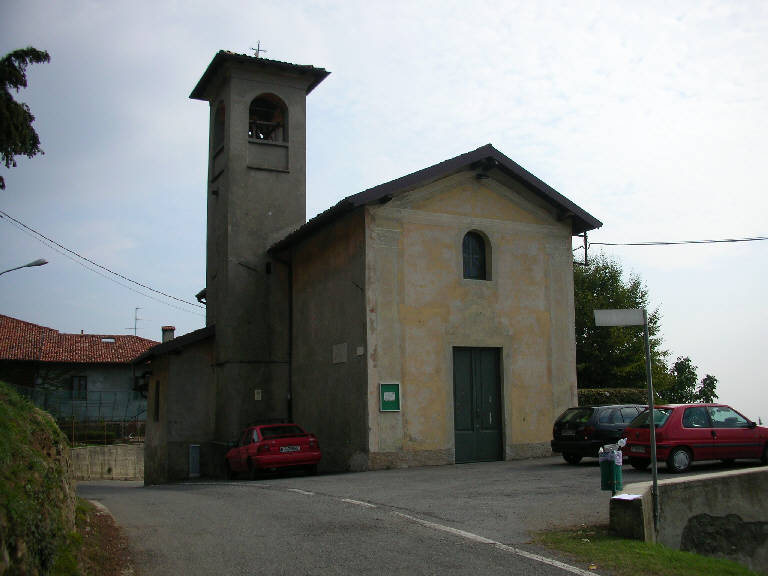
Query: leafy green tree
[682, 385]
[17, 136]
[613, 357]
[706, 392]
[684, 388]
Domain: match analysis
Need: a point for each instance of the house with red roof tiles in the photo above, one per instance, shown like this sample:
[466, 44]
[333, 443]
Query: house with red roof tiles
[81, 376]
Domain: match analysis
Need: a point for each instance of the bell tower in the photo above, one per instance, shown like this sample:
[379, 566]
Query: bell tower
[256, 195]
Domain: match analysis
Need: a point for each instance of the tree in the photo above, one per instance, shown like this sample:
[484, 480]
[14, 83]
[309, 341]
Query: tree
[706, 392]
[683, 388]
[17, 136]
[613, 357]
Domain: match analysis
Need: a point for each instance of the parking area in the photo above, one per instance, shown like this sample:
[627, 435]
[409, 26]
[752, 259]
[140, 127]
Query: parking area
[501, 500]
[460, 519]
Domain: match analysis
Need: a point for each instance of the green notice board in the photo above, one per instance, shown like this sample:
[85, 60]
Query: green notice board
[389, 397]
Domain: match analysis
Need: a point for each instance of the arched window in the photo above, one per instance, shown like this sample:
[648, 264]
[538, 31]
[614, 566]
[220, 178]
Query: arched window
[267, 119]
[218, 127]
[474, 254]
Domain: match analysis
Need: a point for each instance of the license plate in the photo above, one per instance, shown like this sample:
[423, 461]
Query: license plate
[284, 449]
[640, 449]
[569, 433]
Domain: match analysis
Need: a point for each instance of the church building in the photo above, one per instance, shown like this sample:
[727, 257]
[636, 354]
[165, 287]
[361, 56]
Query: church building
[428, 320]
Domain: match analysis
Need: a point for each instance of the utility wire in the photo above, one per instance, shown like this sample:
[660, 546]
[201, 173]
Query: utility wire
[66, 252]
[754, 239]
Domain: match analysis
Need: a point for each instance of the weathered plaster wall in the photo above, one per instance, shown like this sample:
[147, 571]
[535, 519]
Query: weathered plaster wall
[156, 435]
[328, 366]
[186, 415]
[419, 307]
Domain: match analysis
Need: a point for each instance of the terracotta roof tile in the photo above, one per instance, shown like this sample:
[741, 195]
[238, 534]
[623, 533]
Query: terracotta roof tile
[21, 340]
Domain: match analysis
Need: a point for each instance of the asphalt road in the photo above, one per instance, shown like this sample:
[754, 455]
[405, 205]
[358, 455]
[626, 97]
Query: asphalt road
[463, 519]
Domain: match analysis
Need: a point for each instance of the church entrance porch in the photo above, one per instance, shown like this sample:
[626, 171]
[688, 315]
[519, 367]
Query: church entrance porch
[477, 404]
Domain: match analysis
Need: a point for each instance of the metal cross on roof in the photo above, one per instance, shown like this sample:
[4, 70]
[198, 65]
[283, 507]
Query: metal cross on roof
[258, 50]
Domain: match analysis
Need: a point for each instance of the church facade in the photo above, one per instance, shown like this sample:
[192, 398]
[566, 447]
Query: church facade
[428, 320]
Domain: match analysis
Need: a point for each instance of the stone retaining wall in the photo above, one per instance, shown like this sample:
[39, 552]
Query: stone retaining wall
[723, 514]
[116, 462]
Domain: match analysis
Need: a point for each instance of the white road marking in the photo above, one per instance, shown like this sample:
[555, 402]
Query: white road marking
[359, 503]
[456, 532]
[499, 545]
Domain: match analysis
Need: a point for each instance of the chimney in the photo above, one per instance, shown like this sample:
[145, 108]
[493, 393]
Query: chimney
[168, 333]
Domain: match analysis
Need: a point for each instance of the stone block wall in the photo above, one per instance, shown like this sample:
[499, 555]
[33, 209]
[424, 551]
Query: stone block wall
[116, 462]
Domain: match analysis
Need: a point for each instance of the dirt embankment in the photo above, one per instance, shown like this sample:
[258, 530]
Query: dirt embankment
[37, 493]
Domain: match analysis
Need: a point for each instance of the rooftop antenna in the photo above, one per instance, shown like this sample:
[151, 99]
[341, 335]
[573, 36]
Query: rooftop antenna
[258, 50]
[135, 320]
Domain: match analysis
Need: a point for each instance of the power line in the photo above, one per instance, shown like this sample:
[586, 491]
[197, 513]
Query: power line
[725, 240]
[50, 243]
[105, 276]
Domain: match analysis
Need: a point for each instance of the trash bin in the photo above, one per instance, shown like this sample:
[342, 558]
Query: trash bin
[610, 459]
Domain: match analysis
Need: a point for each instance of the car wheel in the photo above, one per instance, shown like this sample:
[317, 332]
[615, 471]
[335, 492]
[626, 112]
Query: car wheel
[251, 470]
[571, 458]
[679, 460]
[639, 463]
[312, 469]
[764, 459]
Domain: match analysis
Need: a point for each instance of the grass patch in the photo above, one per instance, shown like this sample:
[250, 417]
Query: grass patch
[602, 550]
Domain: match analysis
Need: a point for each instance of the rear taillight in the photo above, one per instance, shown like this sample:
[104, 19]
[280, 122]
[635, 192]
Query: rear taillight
[313, 443]
[588, 431]
[263, 448]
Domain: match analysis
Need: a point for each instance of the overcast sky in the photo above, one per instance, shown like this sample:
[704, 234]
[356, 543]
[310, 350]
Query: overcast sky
[651, 116]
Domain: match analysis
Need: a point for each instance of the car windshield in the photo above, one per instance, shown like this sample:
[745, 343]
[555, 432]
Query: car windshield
[277, 431]
[660, 416]
[576, 415]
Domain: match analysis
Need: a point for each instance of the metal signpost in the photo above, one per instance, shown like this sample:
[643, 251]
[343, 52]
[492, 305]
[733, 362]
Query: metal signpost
[639, 317]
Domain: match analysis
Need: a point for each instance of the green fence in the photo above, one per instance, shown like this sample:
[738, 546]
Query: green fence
[102, 417]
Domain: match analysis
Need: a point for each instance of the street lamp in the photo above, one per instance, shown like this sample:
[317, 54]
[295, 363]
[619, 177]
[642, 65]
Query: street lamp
[38, 262]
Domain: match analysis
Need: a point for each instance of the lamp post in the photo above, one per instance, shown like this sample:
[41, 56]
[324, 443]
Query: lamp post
[38, 262]
[639, 317]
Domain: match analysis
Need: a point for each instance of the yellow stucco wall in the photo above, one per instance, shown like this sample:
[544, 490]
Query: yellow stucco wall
[419, 307]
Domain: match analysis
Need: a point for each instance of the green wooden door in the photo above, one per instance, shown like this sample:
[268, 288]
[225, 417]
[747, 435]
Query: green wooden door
[477, 404]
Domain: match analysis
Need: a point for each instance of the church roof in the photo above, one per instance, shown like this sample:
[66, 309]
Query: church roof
[483, 159]
[224, 56]
[25, 341]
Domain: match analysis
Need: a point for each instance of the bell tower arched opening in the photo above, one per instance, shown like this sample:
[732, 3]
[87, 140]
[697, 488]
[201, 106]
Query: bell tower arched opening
[268, 119]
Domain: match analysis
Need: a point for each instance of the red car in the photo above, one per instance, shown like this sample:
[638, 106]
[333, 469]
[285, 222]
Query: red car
[691, 432]
[273, 446]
